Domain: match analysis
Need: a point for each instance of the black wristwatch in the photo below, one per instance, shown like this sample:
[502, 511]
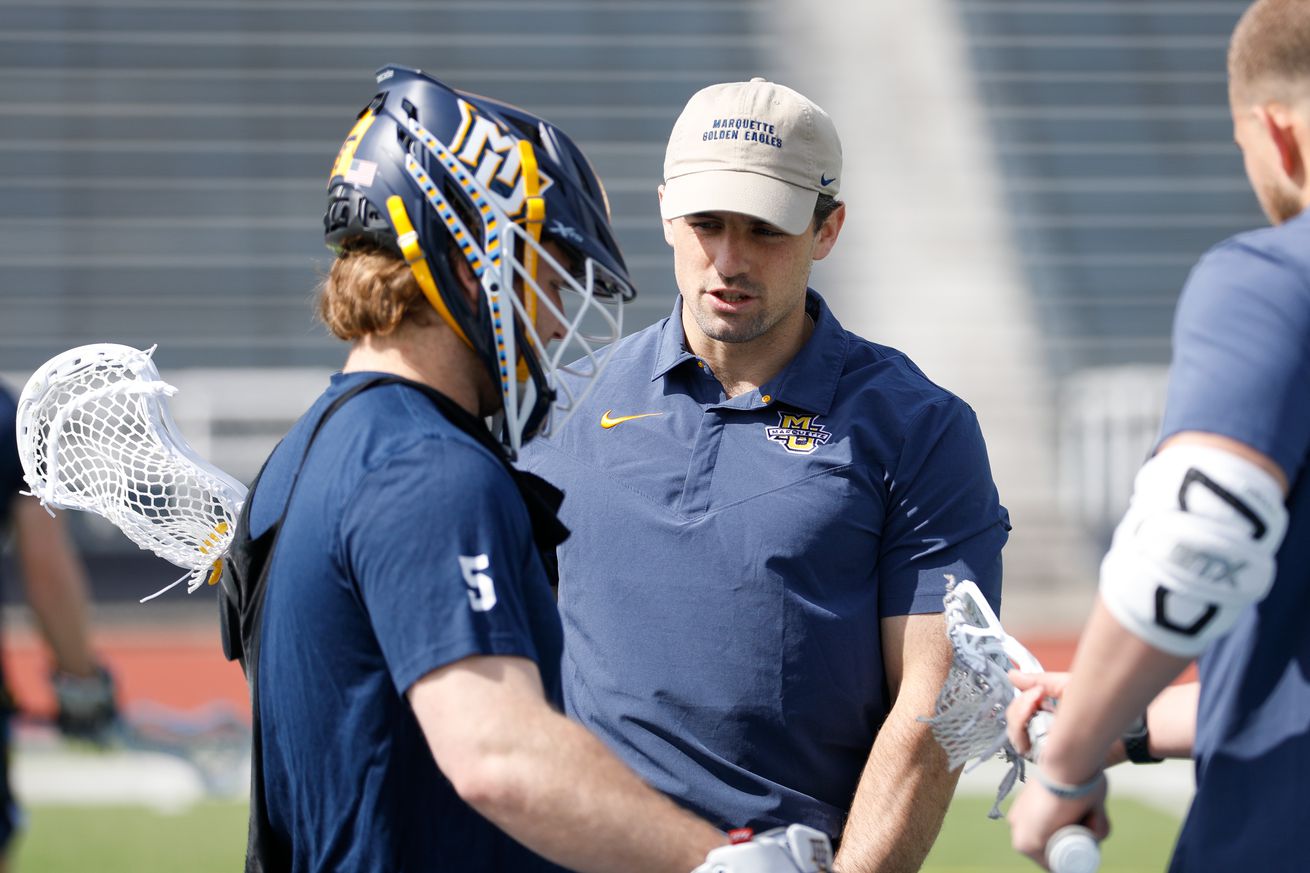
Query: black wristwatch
[1137, 742]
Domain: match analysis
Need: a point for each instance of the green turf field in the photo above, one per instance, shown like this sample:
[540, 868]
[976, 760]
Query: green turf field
[971, 843]
[206, 838]
[210, 838]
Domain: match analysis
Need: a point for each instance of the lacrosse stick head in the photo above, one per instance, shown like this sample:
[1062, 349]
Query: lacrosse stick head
[969, 721]
[95, 434]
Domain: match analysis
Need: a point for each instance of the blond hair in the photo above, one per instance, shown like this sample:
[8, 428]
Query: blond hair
[1270, 50]
[369, 291]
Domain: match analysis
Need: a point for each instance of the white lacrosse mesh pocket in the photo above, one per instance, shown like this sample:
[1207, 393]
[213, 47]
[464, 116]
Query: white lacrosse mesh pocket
[969, 721]
[95, 434]
[969, 717]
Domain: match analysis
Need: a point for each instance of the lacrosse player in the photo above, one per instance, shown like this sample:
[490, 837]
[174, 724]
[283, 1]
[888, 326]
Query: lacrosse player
[753, 619]
[55, 585]
[396, 619]
[1210, 559]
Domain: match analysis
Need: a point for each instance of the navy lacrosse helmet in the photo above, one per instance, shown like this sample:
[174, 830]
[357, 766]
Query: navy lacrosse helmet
[434, 174]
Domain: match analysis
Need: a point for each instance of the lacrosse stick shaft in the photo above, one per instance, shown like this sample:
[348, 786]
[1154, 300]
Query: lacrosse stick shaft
[1071, 849]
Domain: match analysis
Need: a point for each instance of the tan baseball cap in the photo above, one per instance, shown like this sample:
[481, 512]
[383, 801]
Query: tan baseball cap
[758, 148]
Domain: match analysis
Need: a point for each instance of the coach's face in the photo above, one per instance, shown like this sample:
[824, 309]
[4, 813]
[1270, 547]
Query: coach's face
[743, 279]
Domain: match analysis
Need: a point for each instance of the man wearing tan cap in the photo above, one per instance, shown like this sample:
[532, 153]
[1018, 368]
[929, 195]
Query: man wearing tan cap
[764, 509]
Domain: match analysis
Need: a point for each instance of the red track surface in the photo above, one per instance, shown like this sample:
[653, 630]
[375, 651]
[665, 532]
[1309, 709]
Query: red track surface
[185, 669]
[180, 669]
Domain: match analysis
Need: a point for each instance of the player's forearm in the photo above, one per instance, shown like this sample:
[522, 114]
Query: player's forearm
[555, 788]
[55, 586]
[62, 617]
[1115, 676]
[901, 799]
[1171, 719]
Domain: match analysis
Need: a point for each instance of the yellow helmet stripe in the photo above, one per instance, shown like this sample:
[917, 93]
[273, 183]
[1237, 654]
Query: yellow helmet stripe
[463, 238]
[536, 214]
[407, 237]
[535, 218]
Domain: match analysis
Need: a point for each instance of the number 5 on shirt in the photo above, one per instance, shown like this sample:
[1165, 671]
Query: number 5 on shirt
[482, 590]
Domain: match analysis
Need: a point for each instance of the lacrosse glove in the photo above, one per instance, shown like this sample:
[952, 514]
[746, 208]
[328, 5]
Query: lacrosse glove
[793, 849]
[87, 709]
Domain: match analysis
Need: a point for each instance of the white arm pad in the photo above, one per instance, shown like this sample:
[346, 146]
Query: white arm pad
[794, 849]
[1195, 548]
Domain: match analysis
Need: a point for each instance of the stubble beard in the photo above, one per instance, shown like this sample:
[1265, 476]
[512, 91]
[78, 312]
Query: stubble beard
[737, 329]
[1279, 204]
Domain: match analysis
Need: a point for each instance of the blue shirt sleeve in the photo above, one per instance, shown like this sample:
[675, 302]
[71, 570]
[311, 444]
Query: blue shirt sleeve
[441, 550]
[943, 514]
[1241, 365]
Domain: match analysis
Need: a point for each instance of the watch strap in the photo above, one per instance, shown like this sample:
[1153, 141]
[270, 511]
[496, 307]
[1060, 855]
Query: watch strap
[1137, 743]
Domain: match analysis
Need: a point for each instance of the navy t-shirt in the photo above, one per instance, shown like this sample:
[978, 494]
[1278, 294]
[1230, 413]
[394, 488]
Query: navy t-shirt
[11, 470]
[1241, 368]
[731, 559]
[11, 473]
[407, 547]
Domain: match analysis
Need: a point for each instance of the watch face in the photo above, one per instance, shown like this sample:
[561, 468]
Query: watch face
[1137, 728]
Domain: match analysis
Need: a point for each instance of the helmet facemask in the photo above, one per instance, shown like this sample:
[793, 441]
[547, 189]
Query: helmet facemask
[569, 315]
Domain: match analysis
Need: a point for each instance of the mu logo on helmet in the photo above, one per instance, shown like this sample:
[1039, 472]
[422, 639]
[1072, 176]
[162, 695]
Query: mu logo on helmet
[799, 434]
[494, 156]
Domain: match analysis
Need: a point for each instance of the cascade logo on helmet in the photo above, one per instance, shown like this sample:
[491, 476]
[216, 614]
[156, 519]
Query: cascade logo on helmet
[454, 176]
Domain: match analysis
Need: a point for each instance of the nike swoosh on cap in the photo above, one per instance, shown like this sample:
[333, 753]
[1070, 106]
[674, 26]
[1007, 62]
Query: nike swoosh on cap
[824, 181]
[609, 420]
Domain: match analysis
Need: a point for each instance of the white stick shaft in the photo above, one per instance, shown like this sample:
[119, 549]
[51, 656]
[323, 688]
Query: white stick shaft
[1038, 726]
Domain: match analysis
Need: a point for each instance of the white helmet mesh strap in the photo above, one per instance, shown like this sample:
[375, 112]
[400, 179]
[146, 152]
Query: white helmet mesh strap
[95, 434]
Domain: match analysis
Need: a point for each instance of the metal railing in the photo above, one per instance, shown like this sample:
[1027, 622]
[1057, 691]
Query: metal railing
[1109, 422]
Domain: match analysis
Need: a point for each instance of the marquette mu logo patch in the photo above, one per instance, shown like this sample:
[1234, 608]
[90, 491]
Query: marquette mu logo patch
[799, 434]
[494, 158]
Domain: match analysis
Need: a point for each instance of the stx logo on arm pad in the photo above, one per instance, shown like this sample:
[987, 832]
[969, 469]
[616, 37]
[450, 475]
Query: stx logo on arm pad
[1196, 547]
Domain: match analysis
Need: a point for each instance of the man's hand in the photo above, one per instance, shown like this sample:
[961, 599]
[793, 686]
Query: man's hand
[1035, 689]
[1038, 690]
[793, 849]
[1037, 814]
[87, 709]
